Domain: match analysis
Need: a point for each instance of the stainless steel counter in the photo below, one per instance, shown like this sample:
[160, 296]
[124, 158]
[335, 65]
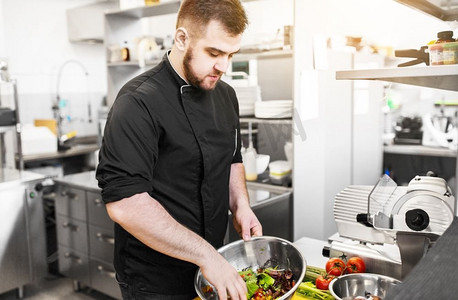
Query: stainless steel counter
[260, 194]
[74, 151]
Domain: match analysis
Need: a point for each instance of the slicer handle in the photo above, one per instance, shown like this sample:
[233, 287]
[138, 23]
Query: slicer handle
[363, 219]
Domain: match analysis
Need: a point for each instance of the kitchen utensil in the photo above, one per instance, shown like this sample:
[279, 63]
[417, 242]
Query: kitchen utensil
[359, 284]
[255, 253]
[391, 227]
[421, 56]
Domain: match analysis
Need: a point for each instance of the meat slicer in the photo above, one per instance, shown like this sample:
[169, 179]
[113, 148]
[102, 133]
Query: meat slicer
[391, 227]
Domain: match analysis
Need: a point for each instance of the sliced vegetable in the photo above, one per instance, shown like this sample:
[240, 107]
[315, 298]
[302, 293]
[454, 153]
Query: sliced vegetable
[309, 289]
[312, 273]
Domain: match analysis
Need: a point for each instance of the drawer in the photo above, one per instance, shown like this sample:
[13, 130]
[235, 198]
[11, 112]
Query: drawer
[101, 243]
[72, 233]
[74, 264]
[97, 212]
[71, 202]
[103, 278]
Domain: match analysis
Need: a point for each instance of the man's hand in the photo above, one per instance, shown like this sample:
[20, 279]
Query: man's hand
[246, 223]
[224, 277]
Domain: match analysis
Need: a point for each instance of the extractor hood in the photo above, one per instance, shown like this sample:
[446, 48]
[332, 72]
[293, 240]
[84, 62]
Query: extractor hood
[85, 24]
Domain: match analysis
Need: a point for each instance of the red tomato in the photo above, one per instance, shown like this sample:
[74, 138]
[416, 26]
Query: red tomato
[356, 265]
[322, 282]
[259, 295]
[335, 266]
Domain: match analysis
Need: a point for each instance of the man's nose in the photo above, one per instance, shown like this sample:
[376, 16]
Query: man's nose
[222, 64]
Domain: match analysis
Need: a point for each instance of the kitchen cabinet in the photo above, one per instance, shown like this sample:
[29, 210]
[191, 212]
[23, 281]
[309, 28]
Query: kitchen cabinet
[85, 234]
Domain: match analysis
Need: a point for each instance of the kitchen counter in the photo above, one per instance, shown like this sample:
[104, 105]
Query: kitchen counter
[311, 249]
[260, 195]
[73, 151]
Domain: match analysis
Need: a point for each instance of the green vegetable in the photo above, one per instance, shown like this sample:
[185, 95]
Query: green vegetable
[252, 287]
[312, 273]
[265, 281]
[309, 289]
[251, 281]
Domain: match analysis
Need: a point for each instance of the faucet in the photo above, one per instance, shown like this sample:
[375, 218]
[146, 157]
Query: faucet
[56, 106]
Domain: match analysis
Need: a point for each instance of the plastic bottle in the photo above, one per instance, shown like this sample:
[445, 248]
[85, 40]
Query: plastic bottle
[125, 53]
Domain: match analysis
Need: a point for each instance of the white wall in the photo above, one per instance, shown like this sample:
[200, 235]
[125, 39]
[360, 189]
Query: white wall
[35, 43]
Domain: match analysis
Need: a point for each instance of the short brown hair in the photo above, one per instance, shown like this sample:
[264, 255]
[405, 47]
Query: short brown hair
[230, 13]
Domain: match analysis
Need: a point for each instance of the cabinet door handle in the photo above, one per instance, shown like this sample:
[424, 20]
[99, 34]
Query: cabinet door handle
[71, 226]
[69, 195]
[105, 238]
[73, 257]
[103, 271]
[98, 202]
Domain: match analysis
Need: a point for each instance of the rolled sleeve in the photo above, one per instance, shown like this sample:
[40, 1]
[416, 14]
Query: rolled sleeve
[129, 151]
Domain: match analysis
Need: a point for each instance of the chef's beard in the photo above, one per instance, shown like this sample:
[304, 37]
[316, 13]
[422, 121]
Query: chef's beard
[191, 76]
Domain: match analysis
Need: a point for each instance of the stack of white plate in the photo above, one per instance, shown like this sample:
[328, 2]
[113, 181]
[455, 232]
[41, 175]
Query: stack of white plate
[247, 96]
[274, 109]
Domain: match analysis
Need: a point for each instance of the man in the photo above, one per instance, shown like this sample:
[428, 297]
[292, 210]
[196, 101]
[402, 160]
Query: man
[170, 163]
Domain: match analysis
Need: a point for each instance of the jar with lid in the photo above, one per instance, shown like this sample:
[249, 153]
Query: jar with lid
[445, 37]
[450, 53]
[436, 50]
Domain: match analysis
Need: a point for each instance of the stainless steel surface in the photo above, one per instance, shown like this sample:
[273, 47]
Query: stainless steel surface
[85, 233]
[71, 202]
[22, 237]
[101, 243]
[352, 285]
[103, 278]
[255, 253]
[97, 213]
[74, 264]
[72, 233]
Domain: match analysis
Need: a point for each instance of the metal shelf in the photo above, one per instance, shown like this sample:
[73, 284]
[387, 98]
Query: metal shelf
[147, 11]
[133, 63]
[427, 6]
[439, 77]
[288, 121]
[419, 150]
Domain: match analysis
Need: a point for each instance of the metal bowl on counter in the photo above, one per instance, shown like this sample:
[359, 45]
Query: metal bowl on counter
[264, 251]
[361, 286]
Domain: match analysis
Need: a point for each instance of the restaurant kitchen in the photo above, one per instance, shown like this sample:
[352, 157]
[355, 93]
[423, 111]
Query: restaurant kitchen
[315, 127]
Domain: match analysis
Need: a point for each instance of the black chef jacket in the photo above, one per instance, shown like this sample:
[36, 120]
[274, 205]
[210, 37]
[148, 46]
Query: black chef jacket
[177, 143]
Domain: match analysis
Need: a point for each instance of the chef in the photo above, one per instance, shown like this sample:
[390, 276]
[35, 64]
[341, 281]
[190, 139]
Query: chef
[170, 164]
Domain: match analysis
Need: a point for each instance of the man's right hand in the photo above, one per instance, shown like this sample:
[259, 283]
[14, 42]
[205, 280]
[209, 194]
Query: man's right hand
[224, 277]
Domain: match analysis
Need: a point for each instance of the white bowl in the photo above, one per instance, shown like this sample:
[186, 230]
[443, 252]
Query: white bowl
[262, 162]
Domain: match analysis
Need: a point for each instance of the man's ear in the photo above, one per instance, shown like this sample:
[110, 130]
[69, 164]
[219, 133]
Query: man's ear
[181, 38]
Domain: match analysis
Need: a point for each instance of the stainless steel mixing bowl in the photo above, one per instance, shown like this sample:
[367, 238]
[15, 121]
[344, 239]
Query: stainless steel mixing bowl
[255, 253]
[358, 284]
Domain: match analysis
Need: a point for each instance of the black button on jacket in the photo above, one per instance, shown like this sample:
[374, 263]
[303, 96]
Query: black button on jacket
[177, 143]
